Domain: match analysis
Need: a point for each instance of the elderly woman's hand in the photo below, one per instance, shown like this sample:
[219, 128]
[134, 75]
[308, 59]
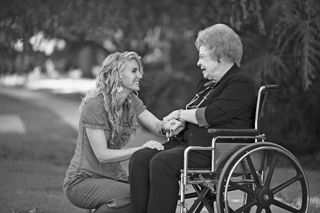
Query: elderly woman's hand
[173, 115]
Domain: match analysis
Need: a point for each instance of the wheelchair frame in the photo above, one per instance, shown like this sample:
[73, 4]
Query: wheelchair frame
[256, 181]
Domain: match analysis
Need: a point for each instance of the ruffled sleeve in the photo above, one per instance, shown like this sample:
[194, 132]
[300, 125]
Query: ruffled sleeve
[94, 116]
[137, 104]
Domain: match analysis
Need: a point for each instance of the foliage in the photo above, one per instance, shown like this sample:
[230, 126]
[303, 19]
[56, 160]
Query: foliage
[297, 35]
[287, 52]
[281, 41]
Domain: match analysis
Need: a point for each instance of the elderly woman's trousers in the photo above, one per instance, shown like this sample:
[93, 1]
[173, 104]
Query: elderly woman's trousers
[154, 177]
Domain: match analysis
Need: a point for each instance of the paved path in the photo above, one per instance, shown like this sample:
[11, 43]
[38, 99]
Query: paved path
[66, 109]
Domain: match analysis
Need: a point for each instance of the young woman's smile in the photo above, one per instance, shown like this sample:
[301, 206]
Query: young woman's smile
[131, 76]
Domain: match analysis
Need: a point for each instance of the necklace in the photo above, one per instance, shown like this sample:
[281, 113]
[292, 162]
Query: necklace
[192, 104]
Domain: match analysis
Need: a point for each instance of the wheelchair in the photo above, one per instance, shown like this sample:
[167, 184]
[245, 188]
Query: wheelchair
[250, 176]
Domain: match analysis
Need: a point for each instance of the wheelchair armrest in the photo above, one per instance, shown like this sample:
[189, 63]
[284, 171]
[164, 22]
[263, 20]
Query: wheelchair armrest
[234, 132]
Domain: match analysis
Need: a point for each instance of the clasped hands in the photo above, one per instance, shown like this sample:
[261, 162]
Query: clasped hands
[172, 124]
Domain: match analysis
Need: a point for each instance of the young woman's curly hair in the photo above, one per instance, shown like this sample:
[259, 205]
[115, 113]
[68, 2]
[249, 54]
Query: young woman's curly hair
[107, 84]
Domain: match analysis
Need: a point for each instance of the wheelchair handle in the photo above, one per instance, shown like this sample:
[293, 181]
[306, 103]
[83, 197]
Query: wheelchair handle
[271, 86]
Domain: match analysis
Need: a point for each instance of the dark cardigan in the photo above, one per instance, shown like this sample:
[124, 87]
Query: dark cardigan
[230, 105]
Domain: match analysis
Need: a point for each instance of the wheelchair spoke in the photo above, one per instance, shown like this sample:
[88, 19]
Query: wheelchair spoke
[208, 206]
[271, 170]
[243, 165]
[199, 208]
[190, 195]
[196, 188]
[245, 207]
[284, 206]
[285, 184]
[241, 187]
[259, 209]
[253, 171]
[201, 200]
[268, 210]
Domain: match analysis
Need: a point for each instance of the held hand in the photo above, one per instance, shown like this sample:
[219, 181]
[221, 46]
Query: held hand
[174, 127]
[153, 145]
[177, 130]
[172, 115]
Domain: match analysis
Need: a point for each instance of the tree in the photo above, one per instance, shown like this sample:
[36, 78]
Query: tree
[288, 53]
[281, 45]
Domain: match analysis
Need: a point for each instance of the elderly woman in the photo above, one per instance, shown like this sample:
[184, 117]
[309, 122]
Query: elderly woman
[225, 98]
[109, 116]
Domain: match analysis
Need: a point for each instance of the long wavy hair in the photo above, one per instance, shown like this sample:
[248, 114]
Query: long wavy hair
[108, 83]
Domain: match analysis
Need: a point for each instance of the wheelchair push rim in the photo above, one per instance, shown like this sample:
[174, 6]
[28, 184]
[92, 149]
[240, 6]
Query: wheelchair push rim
[262, 177]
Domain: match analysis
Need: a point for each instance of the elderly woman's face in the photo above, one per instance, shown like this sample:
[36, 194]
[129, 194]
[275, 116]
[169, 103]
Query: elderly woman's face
[209, 66]
[131, 76]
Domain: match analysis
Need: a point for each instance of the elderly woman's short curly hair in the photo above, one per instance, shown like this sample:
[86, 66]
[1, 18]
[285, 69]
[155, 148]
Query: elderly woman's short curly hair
[223, 41]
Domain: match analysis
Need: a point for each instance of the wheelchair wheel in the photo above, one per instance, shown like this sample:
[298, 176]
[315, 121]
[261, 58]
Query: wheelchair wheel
[262, 177]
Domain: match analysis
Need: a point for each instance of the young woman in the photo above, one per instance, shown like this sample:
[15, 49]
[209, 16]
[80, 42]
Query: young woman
[109, 116]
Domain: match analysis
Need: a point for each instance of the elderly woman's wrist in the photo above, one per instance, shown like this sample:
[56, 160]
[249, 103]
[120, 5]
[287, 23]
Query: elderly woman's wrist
[179, 115]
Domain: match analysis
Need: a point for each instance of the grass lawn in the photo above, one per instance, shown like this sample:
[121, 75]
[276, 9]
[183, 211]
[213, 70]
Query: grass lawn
[32, 165]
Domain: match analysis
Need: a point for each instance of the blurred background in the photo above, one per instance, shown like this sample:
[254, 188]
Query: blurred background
[50, 52]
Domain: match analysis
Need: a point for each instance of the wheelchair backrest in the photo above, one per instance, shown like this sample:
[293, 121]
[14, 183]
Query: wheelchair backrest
[261, 98]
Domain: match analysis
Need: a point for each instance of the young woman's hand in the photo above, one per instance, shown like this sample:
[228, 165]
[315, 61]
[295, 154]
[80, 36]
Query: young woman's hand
[153, 145]
[173, 127]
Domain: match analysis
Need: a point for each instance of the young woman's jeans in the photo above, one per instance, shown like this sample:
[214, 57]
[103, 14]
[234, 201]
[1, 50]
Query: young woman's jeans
[91, 193]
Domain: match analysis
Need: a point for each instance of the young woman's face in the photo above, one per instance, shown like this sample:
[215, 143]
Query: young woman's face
[209, 66]
[131, 76]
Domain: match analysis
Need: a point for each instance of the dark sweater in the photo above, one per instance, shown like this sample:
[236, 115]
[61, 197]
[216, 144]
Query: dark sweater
[230, 105]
